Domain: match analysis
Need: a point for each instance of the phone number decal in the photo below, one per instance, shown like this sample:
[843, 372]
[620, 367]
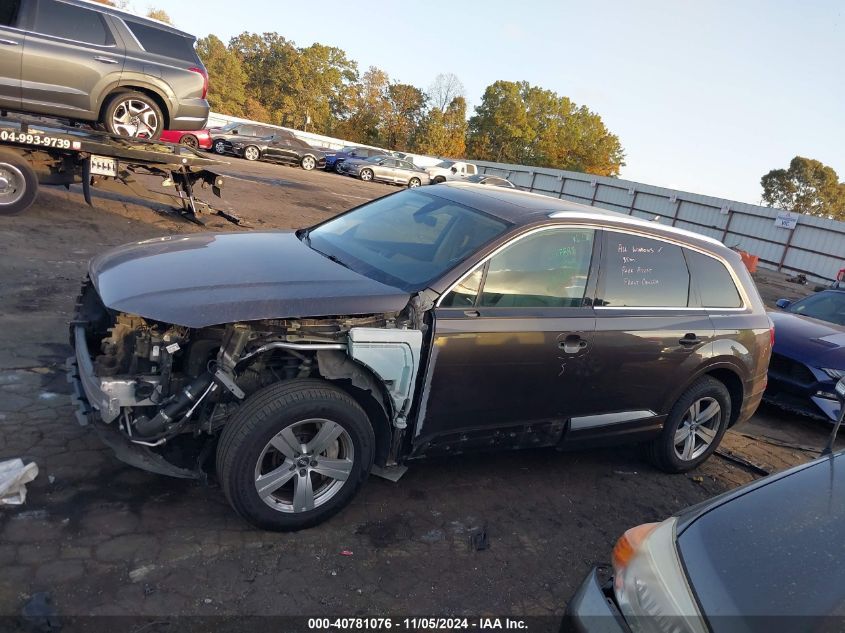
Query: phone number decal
[39, 140]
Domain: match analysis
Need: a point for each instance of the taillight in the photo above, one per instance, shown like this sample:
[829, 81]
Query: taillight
[772, 335]
[204, 75]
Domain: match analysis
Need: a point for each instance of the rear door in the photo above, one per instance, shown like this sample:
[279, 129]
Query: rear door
[512, 342]
[70, 58]
[11, 50]
[650, 335]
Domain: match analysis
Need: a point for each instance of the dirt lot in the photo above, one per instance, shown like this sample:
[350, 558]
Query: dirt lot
[105, 538]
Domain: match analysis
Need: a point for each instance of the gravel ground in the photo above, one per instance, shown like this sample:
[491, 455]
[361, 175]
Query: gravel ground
[107, 539]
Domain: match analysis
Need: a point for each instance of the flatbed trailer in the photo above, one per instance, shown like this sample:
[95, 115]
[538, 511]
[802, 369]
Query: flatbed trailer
[34, 153]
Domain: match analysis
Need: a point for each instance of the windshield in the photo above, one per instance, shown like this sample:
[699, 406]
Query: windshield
[406, 240]
[229, 127]
[825, 306]
[445, 164]
[349, 148]
[375, 159]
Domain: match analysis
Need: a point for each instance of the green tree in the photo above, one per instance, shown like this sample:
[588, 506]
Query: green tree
[405, 109]
[807, 186]
[227, 83]
[444, 133]
[366, 108]
[520, 123]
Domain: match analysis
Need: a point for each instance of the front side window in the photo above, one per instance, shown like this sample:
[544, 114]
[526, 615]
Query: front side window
[406, 240]
[641, 272]
[71, 22]
[714, 283]
[548, 269]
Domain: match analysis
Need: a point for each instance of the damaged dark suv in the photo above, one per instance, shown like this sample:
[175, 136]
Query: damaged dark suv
[438, 321]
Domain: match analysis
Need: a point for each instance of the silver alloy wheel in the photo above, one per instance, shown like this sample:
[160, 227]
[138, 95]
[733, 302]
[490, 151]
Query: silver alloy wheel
[136, 118]
[220, 147]
[366, 175]
[251, 153]
[12, 184]
[308, 163]
[304, 465]
[698, 429]
[415, 182]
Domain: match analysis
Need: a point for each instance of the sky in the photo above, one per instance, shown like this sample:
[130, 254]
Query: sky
[705, 95]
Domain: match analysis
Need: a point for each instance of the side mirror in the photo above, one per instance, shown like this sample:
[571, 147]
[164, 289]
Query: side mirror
[840, 390]
[783, 304]
[454, 170]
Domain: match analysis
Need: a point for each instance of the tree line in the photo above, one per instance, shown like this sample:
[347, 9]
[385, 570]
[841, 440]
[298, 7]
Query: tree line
[269, 78]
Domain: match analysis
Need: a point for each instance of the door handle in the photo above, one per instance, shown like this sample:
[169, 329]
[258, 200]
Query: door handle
[106, 60]
[690, 339]
[472, 313]
[573, 344]
[8, 42]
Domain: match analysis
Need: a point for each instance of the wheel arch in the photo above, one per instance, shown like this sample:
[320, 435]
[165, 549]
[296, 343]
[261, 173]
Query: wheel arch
[161, 102]
[727, 373]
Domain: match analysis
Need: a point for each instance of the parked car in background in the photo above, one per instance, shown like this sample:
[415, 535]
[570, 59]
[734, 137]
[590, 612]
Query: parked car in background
[436, 320]
[385, 169]
[333, 163]
[222, 137]
[280, 148]
[451, 170]
[759, 558]
[494, 181]
[89, 62]
[809, 354]
[197, 139]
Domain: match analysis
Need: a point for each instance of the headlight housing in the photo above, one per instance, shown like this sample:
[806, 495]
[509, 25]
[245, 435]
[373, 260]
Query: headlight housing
[836, 374]
[649, 583]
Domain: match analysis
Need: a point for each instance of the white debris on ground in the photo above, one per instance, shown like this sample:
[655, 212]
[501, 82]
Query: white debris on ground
[14, 475]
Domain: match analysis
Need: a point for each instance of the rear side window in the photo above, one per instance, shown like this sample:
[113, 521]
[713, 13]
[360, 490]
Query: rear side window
[161, 42]
[640, 272]
[714, 283]
[71, 23]
[9, 10]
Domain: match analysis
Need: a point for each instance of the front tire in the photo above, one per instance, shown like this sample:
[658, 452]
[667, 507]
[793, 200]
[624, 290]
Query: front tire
[133, 114]
[266, 475]
[252, 153]
[308, 163]
[219, 147]
[438, 179]
[18, 184]
[694, 427]
[366, 175]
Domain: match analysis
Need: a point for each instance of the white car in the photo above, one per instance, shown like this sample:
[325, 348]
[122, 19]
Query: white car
[451, 170]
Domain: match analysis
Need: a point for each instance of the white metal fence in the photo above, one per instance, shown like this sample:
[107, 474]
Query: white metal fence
[815, 247]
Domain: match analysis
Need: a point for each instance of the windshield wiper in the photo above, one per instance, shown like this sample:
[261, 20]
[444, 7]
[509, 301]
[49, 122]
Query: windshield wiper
[334, 258]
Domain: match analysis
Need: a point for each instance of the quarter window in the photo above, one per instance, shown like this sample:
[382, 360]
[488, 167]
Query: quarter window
[643, 273]
[9, 12]
[71, 23]
[162, 42]
[714, 283]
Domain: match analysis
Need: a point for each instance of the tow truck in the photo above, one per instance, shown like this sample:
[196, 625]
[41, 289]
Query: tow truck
[36, 151]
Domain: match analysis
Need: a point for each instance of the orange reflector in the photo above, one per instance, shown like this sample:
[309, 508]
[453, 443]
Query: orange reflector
[629, 543]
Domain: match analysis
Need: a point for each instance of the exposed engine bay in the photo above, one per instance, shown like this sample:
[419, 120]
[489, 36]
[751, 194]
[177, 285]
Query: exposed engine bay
[163, 386]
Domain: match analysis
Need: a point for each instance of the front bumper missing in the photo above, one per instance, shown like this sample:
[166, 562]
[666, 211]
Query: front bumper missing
[87, 390]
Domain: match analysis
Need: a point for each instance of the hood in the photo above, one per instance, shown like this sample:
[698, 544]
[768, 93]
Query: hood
[809, 340]
[770, 549]
[213, 278]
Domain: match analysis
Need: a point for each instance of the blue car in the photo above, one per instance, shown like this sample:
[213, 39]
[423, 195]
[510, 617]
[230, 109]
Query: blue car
[333, 160]
[809, 354]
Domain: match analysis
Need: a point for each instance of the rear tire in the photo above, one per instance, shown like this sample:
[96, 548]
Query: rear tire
[308, 163]
[694, 427]
[18, 184]
[133, 114]
[413, 183]
[189, 140]
[250, 466]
